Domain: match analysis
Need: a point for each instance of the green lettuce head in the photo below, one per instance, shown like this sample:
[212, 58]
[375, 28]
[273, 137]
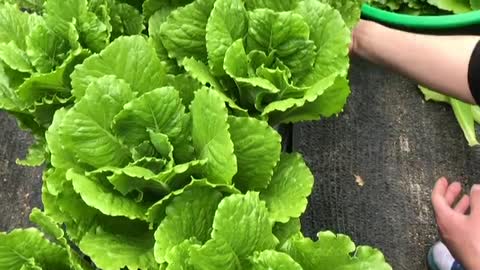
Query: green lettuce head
[129, 147]
[283, 61]
[40, 44]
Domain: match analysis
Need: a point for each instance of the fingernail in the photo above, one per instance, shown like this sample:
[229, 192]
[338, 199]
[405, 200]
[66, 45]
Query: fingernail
[476, 188]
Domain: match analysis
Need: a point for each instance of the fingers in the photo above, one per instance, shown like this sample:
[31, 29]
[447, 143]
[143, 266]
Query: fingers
[452, 192]
[440, 204]
[451, 195]
[475, 200]
[440, 188]
[462, 205]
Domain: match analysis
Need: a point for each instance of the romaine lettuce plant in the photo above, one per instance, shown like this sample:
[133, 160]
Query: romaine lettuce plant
[128, 148]
[152, 158]
[279, 61]
[39, 50]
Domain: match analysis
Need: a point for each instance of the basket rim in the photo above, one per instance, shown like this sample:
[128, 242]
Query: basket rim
[421, 22]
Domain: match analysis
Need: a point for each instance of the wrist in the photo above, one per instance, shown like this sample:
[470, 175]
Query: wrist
[473, 262]
[473, 265]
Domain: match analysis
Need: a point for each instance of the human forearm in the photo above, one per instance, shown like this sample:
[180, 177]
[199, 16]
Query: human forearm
[438, 62]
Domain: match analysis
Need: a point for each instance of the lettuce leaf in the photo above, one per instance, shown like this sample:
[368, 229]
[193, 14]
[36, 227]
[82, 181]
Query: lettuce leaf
[333, 252]
[466, 114]
[28, 248]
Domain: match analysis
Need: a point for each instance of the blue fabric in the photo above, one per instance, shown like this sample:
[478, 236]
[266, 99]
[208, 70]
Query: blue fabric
[457, 266]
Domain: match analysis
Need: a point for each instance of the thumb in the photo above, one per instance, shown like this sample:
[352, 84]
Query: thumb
[475, 200]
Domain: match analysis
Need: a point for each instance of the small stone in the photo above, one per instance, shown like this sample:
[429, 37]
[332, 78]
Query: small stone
[359, 180]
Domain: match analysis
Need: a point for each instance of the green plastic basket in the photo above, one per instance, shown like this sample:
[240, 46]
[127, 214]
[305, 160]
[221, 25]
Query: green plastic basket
[421, 22]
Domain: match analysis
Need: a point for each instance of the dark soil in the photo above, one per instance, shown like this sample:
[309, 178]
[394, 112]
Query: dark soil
[20, 187]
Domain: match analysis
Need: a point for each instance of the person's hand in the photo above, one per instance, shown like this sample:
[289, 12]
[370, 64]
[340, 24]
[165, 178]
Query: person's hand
[460, 231]
[362, 31]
